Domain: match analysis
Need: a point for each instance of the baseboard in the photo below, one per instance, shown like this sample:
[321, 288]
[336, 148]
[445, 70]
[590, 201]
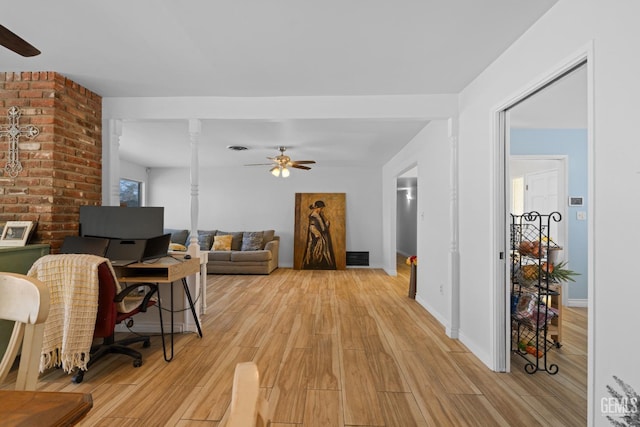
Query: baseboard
[423, 303]
[456, 334]
[583, 303]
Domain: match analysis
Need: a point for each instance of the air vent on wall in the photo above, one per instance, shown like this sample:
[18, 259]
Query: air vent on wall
[358, 258]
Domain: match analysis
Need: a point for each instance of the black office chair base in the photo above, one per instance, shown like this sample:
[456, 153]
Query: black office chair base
[111, 347]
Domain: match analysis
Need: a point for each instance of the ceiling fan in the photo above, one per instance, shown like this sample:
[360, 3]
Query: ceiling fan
[281, 164]
[13, 42]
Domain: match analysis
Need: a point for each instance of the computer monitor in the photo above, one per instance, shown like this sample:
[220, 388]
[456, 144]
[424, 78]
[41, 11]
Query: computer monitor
[117, 222]
[125, 251]
[156, 247]
[84, 245]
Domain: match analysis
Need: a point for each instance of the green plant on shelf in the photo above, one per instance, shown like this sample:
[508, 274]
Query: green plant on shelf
[559, 273]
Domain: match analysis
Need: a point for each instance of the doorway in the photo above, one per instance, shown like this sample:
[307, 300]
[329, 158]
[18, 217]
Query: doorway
[407, 213]
[531, 126]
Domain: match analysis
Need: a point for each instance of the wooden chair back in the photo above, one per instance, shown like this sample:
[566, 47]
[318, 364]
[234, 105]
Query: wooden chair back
[248, 407]
[25, 300]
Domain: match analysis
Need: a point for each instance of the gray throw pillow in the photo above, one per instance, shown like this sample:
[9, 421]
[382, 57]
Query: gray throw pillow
[178, 236]
[205, 239]
[252, 240]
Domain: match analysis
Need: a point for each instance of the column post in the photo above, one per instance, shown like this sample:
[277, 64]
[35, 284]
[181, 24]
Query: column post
[195, 127]
[454, 252]
[111, 197]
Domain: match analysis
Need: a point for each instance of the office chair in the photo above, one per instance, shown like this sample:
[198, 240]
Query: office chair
[116, 305]
[248, 408]
[26, 302]
[89, 284]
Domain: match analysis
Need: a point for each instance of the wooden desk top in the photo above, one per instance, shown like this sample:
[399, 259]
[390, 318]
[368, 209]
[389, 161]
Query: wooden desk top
[159, 272]
[43, 408]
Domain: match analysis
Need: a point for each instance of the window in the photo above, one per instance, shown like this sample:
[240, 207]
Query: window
[130, 193]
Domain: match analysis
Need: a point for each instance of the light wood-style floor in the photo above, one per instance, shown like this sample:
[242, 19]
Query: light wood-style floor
[334, 348]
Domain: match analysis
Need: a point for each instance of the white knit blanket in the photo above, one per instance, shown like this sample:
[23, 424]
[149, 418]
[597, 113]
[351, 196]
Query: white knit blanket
[73, 284]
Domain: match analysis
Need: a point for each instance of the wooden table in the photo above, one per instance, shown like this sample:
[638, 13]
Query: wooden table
[158, 272]
[163, 272]
[43, 408]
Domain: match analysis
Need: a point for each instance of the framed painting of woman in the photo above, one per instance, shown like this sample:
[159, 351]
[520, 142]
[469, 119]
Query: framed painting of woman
[319, 241]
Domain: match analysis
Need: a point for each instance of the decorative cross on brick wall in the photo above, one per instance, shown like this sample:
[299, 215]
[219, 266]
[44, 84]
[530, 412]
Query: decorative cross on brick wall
[14, 131]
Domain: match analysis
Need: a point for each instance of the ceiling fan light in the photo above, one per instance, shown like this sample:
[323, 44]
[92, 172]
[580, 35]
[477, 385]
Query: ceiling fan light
[275, 171]
[285, 172]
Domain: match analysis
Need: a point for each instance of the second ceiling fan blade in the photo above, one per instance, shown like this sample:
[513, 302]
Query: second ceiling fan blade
[13, 42]
[303, 162]
[293, 165]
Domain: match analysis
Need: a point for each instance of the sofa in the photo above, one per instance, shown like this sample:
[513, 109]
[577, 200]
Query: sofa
[237, 252]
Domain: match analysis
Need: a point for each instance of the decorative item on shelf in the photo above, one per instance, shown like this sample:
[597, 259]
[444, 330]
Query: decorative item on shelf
[531, 274]
[16, 233]
[413, 262]
[559, 273]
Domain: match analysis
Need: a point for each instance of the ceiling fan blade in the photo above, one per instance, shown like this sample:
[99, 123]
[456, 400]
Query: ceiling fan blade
[13, 42]
[293, 165]
[303, 162]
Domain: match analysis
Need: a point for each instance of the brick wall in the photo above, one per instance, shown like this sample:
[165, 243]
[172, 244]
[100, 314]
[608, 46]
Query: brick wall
[62, 165]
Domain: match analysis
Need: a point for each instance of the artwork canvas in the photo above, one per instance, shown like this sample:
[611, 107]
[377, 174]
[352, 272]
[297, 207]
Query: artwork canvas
[320, 236]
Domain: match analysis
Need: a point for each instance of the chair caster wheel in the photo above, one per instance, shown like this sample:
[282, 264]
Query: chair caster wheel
[137, 363]
[146, 344]
[77, 377]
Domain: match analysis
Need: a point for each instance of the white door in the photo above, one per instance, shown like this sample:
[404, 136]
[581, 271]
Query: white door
[542, 195]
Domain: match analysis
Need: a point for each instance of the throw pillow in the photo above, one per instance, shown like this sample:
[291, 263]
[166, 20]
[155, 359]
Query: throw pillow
[177, 247]
[205, 239]
[222, 243]
[236, 241]
[252, 240]
[178, 235]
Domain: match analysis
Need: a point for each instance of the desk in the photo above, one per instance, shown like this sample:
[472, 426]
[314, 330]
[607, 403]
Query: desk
[43, 408]
[163, 272]
[204, 259]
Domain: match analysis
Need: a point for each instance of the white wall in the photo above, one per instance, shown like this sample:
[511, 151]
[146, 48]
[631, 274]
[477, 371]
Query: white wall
[562, 34]
[250, 198]
[430, 151]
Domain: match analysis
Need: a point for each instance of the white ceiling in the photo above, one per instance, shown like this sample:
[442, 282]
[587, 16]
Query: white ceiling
[245, 48]
[560, 105]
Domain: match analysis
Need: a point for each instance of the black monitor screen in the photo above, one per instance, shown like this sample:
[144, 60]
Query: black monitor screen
[117, 222]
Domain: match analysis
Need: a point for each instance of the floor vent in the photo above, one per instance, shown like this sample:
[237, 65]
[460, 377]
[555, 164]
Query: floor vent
[357, 258]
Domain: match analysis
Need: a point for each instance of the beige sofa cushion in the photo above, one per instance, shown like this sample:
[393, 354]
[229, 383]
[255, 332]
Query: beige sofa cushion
[267, 236]
[220, 256]
[254, 256]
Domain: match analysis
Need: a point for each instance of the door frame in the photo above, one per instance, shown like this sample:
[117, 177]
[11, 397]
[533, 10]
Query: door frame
[501, 319]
